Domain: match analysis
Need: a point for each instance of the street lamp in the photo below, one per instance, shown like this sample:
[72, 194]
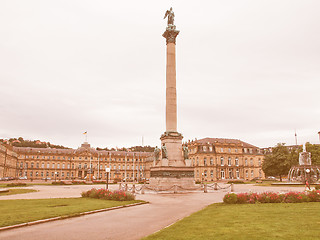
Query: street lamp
[107, 171]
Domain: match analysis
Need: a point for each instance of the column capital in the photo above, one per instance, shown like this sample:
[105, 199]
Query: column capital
[170, 34]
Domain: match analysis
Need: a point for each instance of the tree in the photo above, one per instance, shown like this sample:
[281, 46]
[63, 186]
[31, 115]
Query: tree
[314, 149]
[279, 162]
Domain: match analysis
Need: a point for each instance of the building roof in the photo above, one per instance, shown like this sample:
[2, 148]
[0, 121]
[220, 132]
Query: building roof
[224, 141]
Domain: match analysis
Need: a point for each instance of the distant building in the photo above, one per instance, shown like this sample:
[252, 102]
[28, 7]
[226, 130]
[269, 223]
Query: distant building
[70, 164]
[8, 161]
[212, 158]
[218, 159]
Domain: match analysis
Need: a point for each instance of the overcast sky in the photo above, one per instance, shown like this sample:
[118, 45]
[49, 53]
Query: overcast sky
[246, 69]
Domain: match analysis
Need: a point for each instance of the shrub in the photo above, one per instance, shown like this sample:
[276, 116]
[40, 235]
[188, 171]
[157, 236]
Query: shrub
[230, 198]
[317, 187]
[271, 197]
[243, 198]
[99, 182]
[236, 182]
[58, 183]
[16, 185]
[78, 182]
[314, 196]
[293, 197]
[108, 195]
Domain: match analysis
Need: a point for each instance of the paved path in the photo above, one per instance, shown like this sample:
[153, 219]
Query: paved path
[127, 223]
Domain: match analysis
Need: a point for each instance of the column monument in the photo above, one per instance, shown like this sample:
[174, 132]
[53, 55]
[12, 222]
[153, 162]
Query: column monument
[173, 167]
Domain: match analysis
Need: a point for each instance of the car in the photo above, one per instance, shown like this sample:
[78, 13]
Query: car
[23, 178]
[272, 178]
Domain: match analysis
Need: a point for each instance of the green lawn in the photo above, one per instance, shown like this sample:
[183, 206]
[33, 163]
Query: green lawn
[20, 211]
[17, 191]
[248, 221]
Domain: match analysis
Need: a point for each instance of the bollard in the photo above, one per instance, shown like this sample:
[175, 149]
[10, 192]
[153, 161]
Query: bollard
[133, 189]
[142, 190]
[175, 189]
[215, 186]
[205, 188]
[232, 187]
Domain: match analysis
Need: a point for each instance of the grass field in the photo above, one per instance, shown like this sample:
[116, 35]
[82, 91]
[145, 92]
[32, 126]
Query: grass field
[21, 211]
[248, 221]
[17, 191]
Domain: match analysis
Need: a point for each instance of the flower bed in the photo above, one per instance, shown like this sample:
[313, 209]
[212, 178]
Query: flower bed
[271, 197]
[108, 195]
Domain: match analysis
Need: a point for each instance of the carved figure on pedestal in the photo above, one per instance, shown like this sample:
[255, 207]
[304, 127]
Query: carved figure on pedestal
[164, 152]
[170, 15]
[156, 153]
[185, 152]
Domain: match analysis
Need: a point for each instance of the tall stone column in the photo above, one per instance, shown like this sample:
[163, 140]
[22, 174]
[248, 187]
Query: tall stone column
[171, 91]
[171, 139]
[171, 169]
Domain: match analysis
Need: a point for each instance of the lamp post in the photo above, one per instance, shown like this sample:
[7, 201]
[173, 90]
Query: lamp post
[107, 171]
[98, 166]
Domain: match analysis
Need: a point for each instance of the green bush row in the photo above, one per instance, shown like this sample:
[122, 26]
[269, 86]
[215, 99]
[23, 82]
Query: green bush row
[271, 197]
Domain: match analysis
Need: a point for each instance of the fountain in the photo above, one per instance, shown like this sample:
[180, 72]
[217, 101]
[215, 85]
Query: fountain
[305, 171]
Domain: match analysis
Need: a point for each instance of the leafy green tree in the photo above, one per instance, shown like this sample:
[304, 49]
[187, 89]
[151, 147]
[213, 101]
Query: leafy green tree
[314, 149]
[279, 162]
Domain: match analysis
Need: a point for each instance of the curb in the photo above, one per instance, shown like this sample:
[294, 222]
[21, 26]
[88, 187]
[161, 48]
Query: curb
[68, 216]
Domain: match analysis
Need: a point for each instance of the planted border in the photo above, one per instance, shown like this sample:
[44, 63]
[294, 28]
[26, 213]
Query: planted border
[108, 195]
[271, 197]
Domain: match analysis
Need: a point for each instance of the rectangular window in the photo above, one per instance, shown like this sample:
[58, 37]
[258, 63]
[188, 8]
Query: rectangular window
[229, 161]
[237, 161]
[222, 161]
[222, 174]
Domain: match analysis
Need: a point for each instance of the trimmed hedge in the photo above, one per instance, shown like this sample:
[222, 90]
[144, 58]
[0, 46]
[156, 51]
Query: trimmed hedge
[271, 197]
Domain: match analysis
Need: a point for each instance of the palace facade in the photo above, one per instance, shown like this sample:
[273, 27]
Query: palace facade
[8, 162]
[82, 163]
[217, 159]
[212, 158]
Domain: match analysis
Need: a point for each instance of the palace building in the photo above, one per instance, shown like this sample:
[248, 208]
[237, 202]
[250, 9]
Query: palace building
[212, 158]
[82, 163]
[217, 158]
[8, 162]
